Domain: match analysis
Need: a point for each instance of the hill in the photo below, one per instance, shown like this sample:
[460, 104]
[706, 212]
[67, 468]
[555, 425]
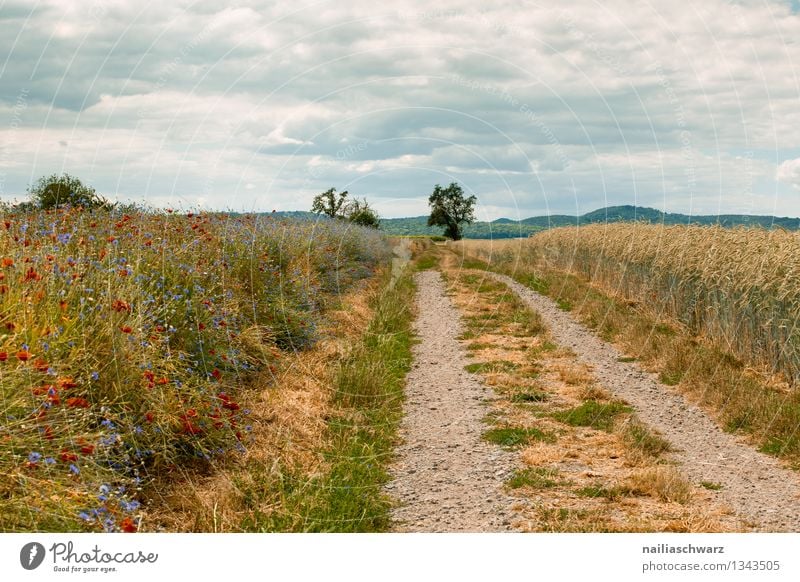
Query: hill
[507, 228]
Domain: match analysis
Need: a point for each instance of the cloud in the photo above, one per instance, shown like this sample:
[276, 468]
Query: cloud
[789, 173]
[534, 108]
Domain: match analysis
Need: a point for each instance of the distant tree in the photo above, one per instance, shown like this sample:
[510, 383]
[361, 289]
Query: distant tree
[361, 213]
[330, 203]
[65, 190]
[450, 209]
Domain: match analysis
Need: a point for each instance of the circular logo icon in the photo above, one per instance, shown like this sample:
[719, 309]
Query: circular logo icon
[31, 555]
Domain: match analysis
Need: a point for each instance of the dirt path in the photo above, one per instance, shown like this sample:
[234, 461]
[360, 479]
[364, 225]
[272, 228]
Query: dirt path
[756, 486]
[446, 478]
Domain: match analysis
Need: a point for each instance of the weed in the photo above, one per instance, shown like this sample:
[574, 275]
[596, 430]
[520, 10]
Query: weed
[536, 478]
[598, 415]
[514, 436]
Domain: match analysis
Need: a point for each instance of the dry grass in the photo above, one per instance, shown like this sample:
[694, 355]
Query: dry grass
[619, 461]
[665, 483]
[290, 429]
[680, 301]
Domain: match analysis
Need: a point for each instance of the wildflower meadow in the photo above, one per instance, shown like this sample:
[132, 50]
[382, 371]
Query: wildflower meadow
[127, 340]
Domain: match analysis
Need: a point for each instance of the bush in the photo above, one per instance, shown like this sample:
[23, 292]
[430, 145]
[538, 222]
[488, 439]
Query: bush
[56, 191]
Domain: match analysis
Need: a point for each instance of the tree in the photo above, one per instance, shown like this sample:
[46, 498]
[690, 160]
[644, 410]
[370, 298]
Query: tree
[361, 213]
[65, 190]
[450, 209]
[330, 203]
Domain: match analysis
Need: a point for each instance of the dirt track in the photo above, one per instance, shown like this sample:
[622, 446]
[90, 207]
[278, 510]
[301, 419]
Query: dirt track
[446, 478]
[755, 485]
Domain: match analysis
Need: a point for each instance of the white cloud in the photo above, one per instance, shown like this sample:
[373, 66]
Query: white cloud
[682, 105]
[789, 173]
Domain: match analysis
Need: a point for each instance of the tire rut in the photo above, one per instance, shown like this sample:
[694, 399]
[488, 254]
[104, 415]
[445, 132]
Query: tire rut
[757, 487]
[446, 479]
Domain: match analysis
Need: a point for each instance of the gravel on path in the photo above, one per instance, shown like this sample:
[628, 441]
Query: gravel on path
[757, 487]
[446, 479]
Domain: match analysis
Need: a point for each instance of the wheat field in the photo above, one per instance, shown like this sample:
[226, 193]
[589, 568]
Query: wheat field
[739, 287]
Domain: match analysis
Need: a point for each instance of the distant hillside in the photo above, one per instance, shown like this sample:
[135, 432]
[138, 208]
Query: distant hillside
[651, 215]
[506, 228]
[418, 225]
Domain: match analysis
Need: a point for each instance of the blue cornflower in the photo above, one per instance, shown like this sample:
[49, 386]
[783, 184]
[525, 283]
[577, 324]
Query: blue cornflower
[74, 469]
[34, 457]
[104, 488]
[107, 423]
[85, 516]
[49, 461]
[129, 506]
[95, 375]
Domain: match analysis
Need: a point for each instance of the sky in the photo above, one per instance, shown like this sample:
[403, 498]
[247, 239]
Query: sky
[534, 107]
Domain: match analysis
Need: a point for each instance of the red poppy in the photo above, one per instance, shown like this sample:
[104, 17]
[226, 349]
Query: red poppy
[227, 402]
[125, 328]
[8, 262]
[67, 456]
[120, 305]
[41, 390]
[23, 355]
[62, 305]
[148, 416]
[3, 356]
[48, 433]
[216, 374]
[87, 449]
[128, 525]
[163, 380]
[53, 397]
[3, 289]
[32, 275]
[77, 402]
[67, 382]
[41, 365]
[189, 428]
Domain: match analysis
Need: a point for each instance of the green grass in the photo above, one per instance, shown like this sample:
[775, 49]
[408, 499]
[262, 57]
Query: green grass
[475, 346]
[626, 359]
[536, 478]
[710, 485]
[529, 396]
[494, 366]
[533, 282]
[636, 435]
[610, 493]
[671, 377]
[598, 415]
[348, 497]
[470, 263]
[427, 260]
[563, 304]
[515, 436]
